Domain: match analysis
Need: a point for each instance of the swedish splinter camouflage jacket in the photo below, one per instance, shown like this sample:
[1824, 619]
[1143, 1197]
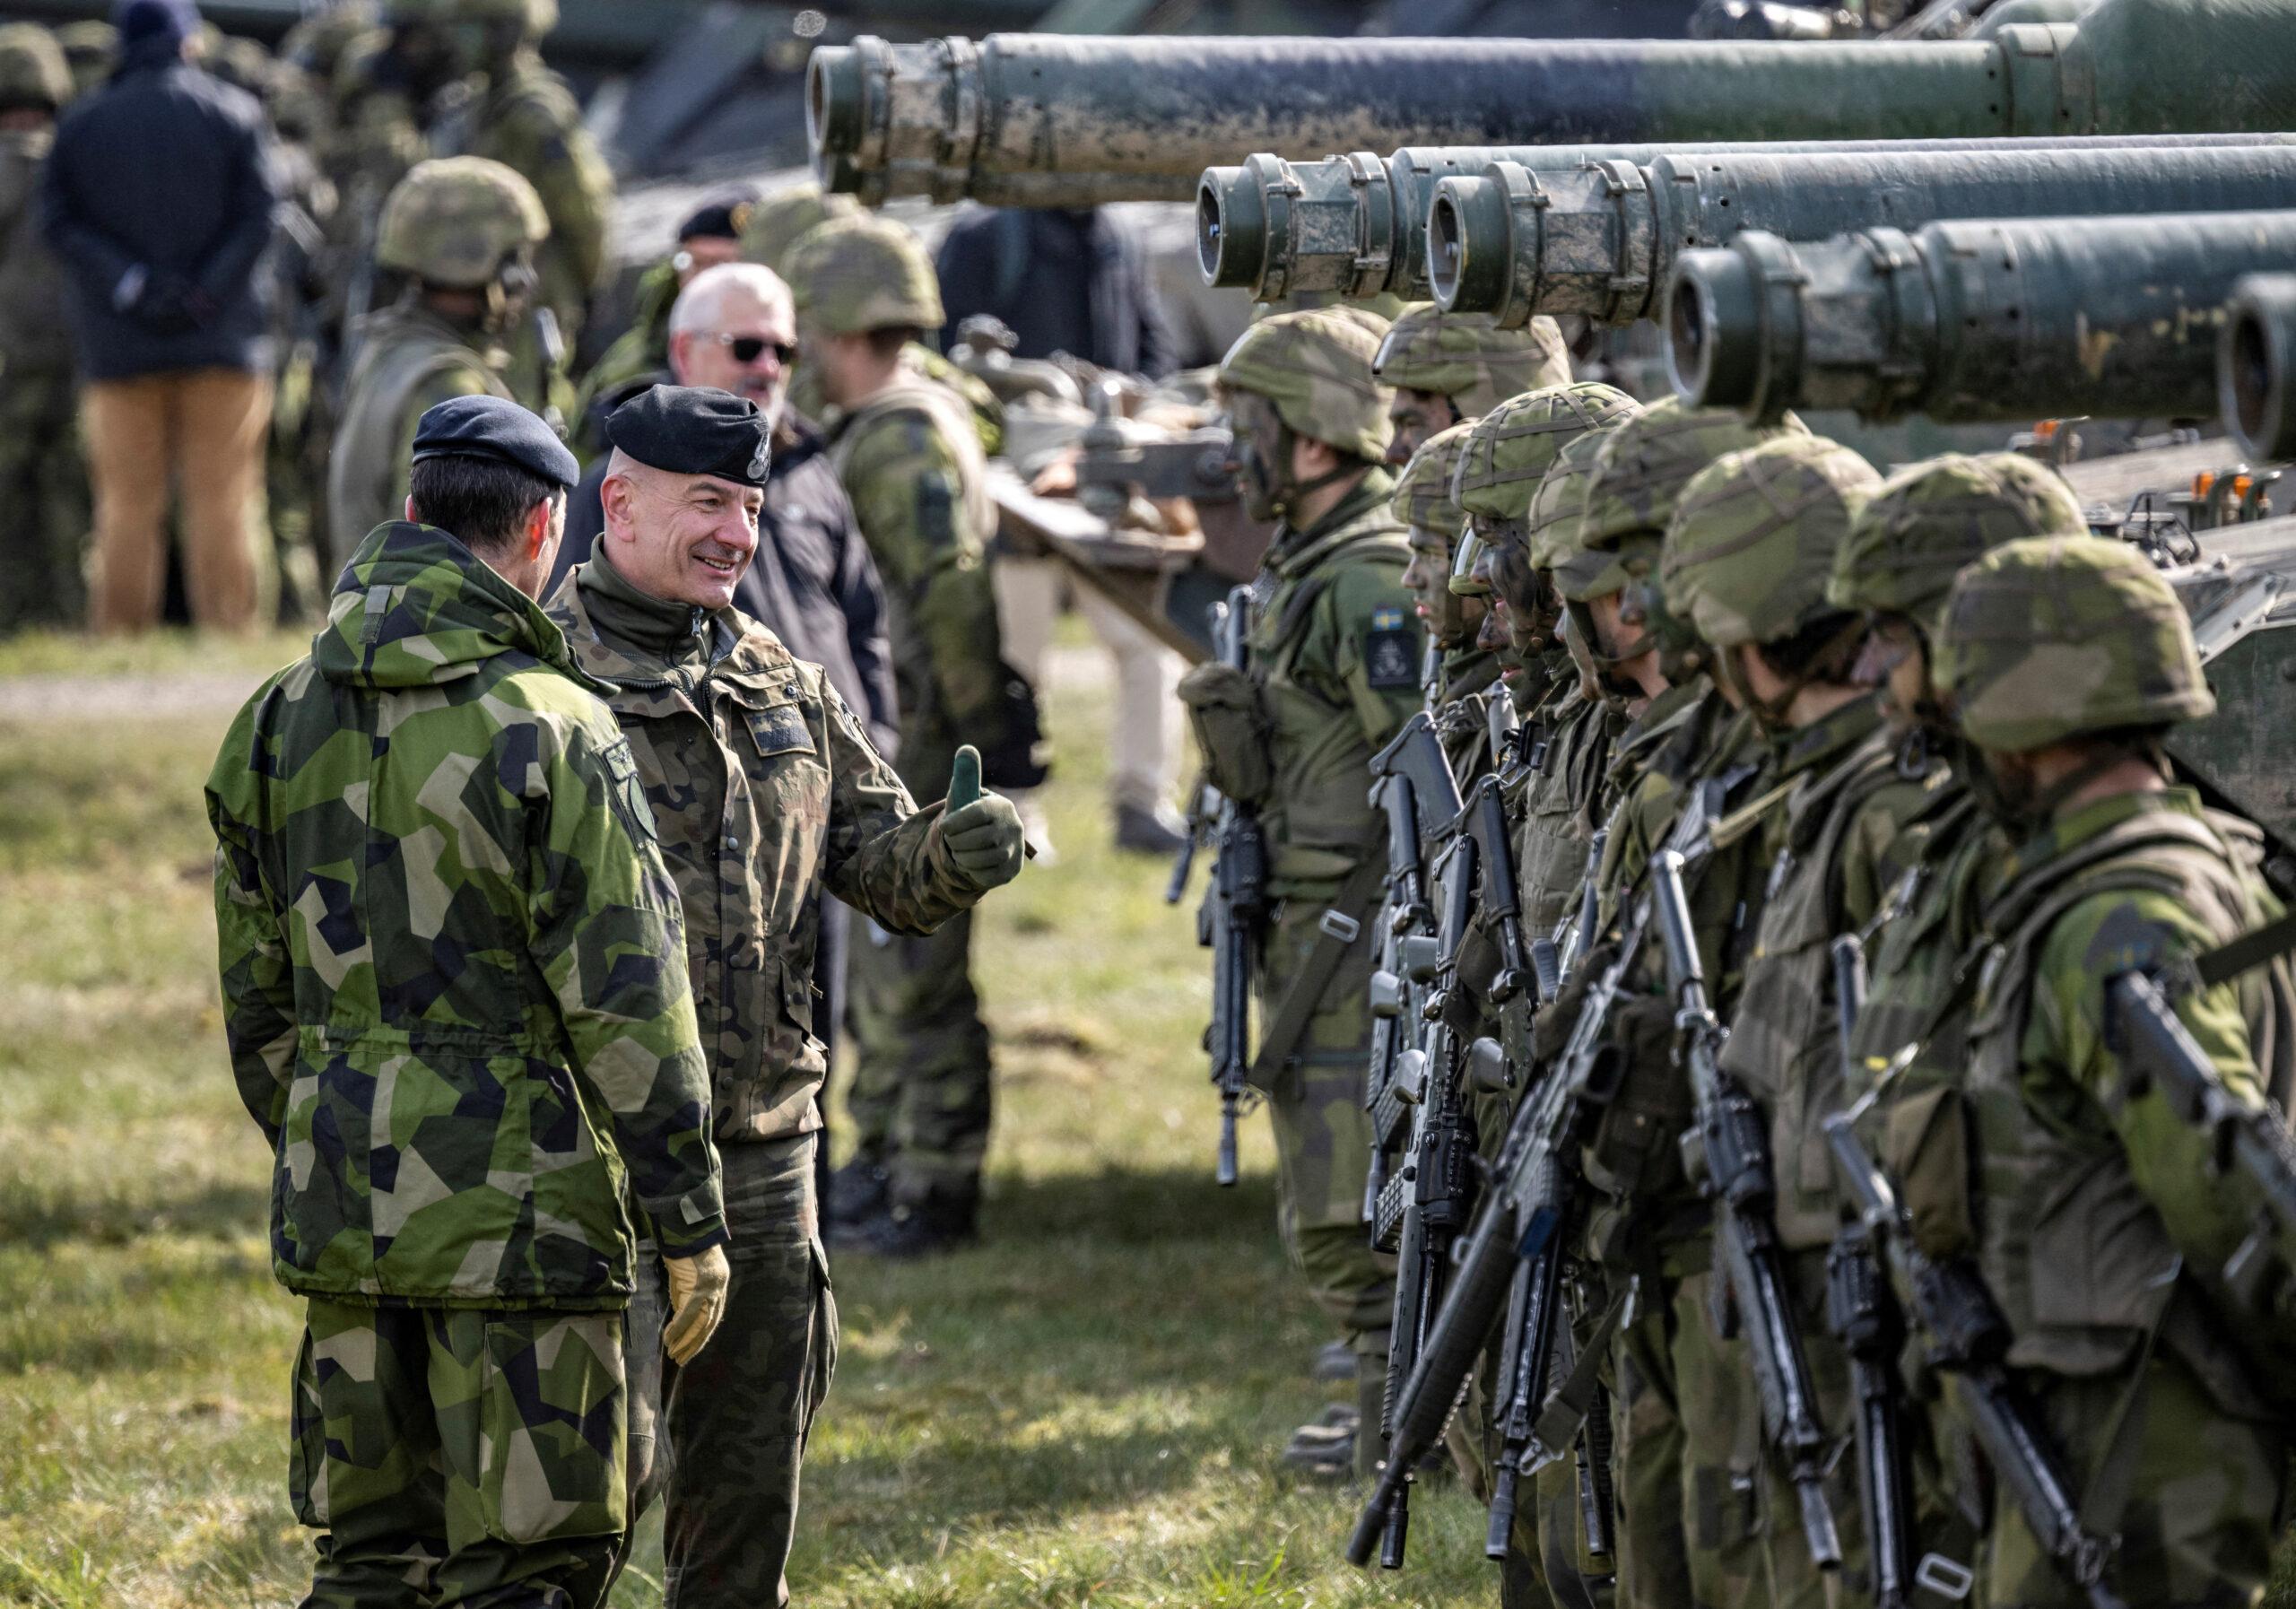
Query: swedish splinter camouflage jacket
[766, 792]
[448, 949]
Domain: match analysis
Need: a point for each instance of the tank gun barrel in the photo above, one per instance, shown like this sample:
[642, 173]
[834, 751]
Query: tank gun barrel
[1600, 240]
[1057, 120]
[1970, 319]
[2256, 366]
[1357, 225]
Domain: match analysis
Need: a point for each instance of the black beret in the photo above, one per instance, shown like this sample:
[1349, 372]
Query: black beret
[721, 218]
[694, 429]
[492, 427]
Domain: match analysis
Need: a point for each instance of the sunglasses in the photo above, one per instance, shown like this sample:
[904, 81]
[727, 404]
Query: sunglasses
[748, 349]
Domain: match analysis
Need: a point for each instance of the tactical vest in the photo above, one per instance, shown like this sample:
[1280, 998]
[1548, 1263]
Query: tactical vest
[2083, 1268]
[403, 354]
[1316, 838]
[1783, 1043]
[1560, 810]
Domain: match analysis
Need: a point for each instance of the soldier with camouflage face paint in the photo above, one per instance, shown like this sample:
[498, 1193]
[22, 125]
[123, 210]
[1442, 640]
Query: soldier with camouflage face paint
[462, 231]
[1451, 369]
[447, 943]
[766, 793]
[911, 462]
[1434, 522]
[2091, 1209]
[1334, 673]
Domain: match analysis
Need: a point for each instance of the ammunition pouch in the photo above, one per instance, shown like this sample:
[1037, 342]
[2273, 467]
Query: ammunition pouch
[1232, 732]
[1636, 1146]
[1926, 1149]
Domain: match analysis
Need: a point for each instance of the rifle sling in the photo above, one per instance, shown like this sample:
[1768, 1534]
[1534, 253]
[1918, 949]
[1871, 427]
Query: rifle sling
[2247, 953]
[1333, 939]
[1568, 1405]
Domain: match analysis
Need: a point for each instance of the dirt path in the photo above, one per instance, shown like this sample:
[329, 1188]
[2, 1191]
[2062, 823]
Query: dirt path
[183, 695]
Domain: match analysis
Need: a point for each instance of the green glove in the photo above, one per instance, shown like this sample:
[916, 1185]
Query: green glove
[981, 830]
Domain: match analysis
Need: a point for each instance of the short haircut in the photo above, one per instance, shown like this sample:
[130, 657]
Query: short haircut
[483, 502]
[702, 304]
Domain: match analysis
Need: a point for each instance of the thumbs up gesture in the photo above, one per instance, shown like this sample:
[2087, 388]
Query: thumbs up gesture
[981, 830]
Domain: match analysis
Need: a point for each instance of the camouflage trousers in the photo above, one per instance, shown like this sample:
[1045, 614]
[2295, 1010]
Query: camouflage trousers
[1323, 1153]
[456, 1457]
[44, 486]
[719, 1441]
[2195, 1495]
[921, 1080]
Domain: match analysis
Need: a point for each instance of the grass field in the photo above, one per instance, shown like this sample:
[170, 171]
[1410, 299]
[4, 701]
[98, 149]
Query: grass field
[1086, 1411]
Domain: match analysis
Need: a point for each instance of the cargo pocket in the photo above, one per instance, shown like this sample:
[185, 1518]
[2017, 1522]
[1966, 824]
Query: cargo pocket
[1926, 1150]
[824, 1348]
[553, 1413]
[307, 1445]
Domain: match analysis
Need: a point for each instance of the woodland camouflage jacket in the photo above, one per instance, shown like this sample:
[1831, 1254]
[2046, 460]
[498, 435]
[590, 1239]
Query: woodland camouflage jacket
[449, 956]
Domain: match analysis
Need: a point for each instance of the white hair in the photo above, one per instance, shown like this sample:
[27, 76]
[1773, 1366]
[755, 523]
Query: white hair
[703, 301]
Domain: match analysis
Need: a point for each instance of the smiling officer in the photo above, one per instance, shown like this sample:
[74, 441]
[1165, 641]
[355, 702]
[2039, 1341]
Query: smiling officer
[765, 790]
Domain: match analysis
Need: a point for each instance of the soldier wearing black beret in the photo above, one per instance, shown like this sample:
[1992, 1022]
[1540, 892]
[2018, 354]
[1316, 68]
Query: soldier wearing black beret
[495, 477]
[766, 792]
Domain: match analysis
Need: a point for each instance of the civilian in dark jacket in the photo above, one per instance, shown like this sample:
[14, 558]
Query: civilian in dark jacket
[160, 199]
[1071, 281]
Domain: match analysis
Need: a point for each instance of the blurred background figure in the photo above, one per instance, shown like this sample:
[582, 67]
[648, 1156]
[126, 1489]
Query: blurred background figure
[641, 355]
[172, 318]
[1075, 282]
[43, 484]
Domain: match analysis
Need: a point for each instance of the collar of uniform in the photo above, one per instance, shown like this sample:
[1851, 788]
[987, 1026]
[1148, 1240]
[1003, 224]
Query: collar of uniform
[1812, 749]
[2073, 828]
[1295, 552]
[657, 628]
[1467, 671]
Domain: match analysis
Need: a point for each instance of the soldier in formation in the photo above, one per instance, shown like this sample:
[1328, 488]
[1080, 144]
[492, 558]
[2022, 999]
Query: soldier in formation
[1762, 697]
[1334, 662]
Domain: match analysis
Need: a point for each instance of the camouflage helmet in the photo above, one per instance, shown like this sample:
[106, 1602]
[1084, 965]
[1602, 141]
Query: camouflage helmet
[1422, 494]
[1649, 459]
[2048, 638]
[1316, 368]
[782, 219]
[1468, 358]
[1516, 443]
[1929, 520]
[1558, 507]
[33, 73]
[852, 276]
[452, 220]
[91, 50]
[317, 42]
[1754, 534]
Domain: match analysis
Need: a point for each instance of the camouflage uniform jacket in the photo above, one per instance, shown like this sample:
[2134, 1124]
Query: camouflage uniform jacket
[529, 121]
[1335, 653]
[445, 932]
[766, 791]
[410, 360]
[2100, 1220]
[911, 463]
[34, 332]
[1827, 851]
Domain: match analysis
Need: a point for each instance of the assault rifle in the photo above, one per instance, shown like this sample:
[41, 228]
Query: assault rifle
[1513, 1263]
[1232, 918]
[2143, 1027]
[1728, 1154]
[1862, 1314]
[1967, 1340]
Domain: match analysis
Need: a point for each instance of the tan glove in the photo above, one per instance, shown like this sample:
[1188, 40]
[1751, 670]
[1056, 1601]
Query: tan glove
[697, 1301]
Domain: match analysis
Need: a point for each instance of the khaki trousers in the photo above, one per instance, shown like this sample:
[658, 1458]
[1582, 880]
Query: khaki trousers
[199, 431]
